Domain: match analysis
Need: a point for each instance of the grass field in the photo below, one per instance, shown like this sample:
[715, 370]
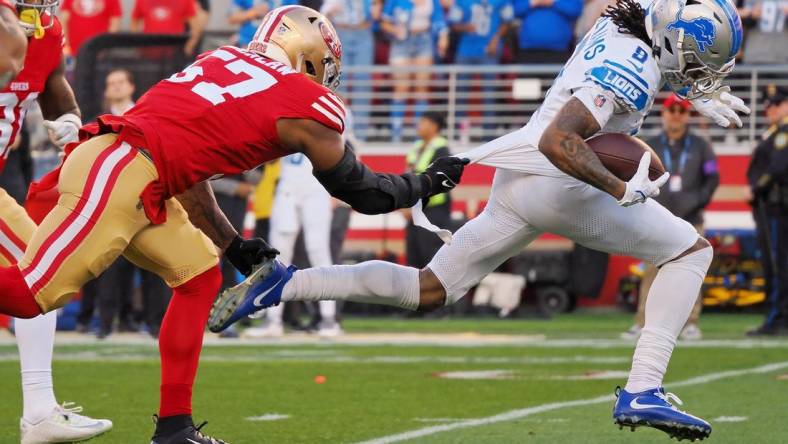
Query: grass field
[380, 391]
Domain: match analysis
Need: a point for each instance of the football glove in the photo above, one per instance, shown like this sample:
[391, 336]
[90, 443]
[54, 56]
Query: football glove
[443, 175]
[64, 129]
[244, 254]
[640, 187]
[721, 107]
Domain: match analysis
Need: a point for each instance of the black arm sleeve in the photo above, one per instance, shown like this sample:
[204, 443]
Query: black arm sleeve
[369, 192]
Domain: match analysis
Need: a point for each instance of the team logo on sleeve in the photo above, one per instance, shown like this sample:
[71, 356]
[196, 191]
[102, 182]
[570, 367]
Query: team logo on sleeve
[331, 39]
[701, 29]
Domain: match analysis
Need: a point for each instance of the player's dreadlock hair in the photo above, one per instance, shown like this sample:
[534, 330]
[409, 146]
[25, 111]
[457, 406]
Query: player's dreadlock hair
[630, 18]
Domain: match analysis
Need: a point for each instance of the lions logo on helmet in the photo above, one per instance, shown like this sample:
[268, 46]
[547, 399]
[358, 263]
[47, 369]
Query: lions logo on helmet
[700, 29]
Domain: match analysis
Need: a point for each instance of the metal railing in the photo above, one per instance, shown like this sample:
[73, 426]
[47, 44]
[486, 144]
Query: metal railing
[484, 102]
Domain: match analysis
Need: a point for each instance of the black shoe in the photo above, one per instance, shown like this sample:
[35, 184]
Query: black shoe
[180, 429]
[764, 330]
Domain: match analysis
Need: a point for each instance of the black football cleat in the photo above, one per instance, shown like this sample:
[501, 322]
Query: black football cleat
[180, 430]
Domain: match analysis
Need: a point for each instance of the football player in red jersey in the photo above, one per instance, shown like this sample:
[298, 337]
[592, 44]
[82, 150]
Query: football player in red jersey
[137, 186]
[12, 43]
[41, 79]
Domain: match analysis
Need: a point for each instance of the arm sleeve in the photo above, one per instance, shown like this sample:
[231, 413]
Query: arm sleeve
[369, 192]
[601, 103]
[65, 6]
[317, 103]
[189, 9]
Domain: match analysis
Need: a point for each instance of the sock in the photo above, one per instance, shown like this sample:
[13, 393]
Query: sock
[373, 282]
[328, 311]
[16, 300]
[180, 340]
[172, 424]
[670, 301]
[35, 338]
[274, 314]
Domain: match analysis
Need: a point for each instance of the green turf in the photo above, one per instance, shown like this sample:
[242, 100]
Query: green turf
[374, 391]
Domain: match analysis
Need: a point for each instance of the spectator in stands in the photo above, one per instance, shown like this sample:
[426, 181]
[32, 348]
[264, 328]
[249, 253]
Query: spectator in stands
[84, 19]
[119, 91]
[353, 21]
[767, 32]
[413, 26]
[421, 245]
[694, 177]
[170, 17]
[547, 29]
[480, 24]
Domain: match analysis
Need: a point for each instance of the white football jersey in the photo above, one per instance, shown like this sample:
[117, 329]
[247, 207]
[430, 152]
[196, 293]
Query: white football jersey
[613, 74]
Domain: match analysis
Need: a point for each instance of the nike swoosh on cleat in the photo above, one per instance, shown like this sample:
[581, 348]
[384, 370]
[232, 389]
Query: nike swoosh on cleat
[257, 302]
[191, 440]
[637, 406]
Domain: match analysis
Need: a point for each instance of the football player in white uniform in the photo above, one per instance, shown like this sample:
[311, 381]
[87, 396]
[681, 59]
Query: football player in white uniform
[549, 180]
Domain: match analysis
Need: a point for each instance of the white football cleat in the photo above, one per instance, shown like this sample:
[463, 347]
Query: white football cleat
[691, 333]
[269, 330]
[330, 329]
[65, 424]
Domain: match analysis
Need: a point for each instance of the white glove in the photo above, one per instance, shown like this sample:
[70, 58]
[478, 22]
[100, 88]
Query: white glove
[640, 187]
[64, 130]
[721, 106]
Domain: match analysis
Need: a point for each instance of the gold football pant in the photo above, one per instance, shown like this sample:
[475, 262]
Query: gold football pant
[16, 229]
[100, 216]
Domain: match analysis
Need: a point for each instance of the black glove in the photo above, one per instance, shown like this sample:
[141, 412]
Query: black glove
[442, 175]
[244, 254]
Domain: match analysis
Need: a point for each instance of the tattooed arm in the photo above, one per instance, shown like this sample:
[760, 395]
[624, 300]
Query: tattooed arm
[563, 142]
[205, 214]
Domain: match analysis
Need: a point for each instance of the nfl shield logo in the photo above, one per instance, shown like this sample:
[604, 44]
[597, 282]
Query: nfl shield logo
[599, 101]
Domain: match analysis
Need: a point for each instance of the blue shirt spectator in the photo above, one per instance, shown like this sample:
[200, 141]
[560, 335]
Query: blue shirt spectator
[249, 13]
[547, 25]
[480, 23]
[403, 13]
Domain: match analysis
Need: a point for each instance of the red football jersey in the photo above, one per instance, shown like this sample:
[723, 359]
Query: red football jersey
[218, 116]
[43, 56]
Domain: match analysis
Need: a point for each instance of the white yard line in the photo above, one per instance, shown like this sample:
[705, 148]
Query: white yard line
[522, 413]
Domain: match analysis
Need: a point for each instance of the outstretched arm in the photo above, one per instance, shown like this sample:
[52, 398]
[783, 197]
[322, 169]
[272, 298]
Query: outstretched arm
[351, 181]
[204, 212]
[13, 44]
[563, 142]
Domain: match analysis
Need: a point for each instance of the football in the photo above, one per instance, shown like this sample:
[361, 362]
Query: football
[621, 155]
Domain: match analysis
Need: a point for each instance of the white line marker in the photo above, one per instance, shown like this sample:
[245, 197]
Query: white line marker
[267, 417]
[522, 413]
[729, 419]
[439, 419]
[477, 374]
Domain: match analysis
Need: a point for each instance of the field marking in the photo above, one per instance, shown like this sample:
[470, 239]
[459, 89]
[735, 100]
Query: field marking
[522, 413]
[268, 417]
[730, 419]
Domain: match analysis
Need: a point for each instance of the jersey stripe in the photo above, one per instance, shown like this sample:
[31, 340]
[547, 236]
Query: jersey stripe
[95, 195]
[10, 245]
[337, 110]
[339, 103]
[331, 116]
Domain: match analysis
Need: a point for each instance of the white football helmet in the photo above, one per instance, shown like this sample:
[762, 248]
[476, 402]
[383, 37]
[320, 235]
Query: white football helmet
[695, 42]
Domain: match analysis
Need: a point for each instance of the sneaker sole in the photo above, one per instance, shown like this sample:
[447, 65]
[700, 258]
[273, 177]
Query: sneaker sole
[673, 429]
[228, 301]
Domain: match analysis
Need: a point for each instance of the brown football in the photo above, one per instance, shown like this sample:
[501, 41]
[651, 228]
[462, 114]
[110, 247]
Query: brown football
[621, 155]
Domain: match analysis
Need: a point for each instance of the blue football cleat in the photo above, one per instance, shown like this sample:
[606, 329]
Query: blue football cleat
[262, 289]
[652, 408]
